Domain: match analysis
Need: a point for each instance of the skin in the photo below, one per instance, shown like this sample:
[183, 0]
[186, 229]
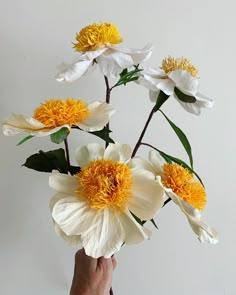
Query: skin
[92, 276]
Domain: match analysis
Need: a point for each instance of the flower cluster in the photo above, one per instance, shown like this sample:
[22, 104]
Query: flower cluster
[106, 200]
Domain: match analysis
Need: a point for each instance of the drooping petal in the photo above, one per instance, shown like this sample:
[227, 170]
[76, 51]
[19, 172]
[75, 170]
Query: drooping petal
[142, 164]
[70, 240]
[74, 216]
[63, 183]
[184, 81]
[138, 55]
[74, 71]
[20, 123]
[200, 228]
[134, 232]
[106, 237]
[148, 195]
[99, 114]
[118, 152]
[90, 152]
[157, 162]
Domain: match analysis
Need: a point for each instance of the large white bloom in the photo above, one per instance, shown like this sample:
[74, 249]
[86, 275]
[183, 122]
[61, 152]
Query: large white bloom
[56, 114]
[187, 193]
[94, 207]
[97, 45]
[175, 76]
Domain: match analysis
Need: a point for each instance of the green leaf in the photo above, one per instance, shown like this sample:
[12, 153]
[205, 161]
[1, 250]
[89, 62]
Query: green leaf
[48, 161]
[161, 98]
[139, 221]
[25, 139]
[154, 223]
[104, 134]
[171, 159]
[182, 137]
[60, 135]
[184, 97]
[128, 76]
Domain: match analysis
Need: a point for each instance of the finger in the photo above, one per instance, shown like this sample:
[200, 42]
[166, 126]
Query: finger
[85, 261]
[105, 264]
[114, 263]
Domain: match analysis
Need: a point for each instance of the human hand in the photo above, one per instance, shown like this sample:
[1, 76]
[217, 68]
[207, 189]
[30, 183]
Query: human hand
[92, 276]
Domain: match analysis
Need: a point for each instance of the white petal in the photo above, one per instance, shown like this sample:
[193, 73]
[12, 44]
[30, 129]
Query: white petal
[20, 123]
[75, 70]
[200, 228]
[63, 183]
[134, 232]
[153, 95]
[138, 55]
[109, 66]
[73, 216]
[99, 114]
[118, 152]
[166, 85]
[157, 162]
[203, 101]
[90, 152]
[184, 81]
[70, 240]
[106, 237]
[57, 197]
[148, 83]
[142, 164]
[148, 195]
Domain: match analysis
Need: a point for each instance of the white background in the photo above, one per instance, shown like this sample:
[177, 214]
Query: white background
[36, 37]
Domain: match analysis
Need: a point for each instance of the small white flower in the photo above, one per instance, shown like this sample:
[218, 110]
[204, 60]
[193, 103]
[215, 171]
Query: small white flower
[97, 45]
[186, 192]
[56, 114]
[177, 78]
[94, 207]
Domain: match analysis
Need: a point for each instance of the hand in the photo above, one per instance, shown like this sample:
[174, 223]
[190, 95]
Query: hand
[92, 276]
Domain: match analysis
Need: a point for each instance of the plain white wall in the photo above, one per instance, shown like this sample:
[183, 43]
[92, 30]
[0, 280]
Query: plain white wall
[36, 37]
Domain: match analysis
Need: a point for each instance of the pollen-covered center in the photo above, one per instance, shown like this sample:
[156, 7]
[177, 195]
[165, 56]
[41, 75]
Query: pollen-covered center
[171, 64]
[182, 183]
[57, 112]
[95, 36]
[105, 184]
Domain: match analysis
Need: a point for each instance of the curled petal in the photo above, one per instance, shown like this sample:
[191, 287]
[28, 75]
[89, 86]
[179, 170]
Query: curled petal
[118, 152]
[99, 114]
[90, 152]
[20, 123]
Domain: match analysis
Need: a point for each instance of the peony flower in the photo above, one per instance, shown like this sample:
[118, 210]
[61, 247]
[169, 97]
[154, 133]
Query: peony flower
[94, 207]
[57, 113]
[186, 192]
[176, 77]
[97, 44]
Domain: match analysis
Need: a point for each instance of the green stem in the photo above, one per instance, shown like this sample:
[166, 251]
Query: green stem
[108, 97]
[143, 132]
[67, 151]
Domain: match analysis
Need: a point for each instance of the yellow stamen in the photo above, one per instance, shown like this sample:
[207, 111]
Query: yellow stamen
[182, 183]
[105, 184]
[95, 36]
[171, 64]
[57, 112]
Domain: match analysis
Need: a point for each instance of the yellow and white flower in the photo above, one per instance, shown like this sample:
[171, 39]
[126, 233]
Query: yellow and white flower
[186, 192]
[93, 208]
[57, 113]
[97, 44]
[176, 74]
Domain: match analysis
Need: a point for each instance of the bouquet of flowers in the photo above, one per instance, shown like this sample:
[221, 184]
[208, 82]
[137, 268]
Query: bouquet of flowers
[105, 201]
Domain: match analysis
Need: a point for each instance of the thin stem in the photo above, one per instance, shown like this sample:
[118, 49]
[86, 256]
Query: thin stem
[111, 292]
[67, 151]
[108, 96]
[143, 132]
[166, 202]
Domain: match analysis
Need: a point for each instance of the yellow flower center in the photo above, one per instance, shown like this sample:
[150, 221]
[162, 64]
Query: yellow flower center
[95, 36]
[105, 184]
[182, 183]
[171, 64]
[57, 112]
